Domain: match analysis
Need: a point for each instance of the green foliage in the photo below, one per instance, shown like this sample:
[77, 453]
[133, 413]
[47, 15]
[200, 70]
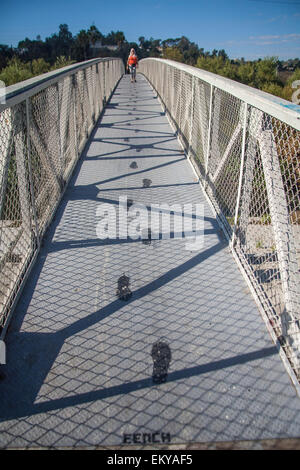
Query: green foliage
[273, 89]
[294, 77]
[218, 64]
[62, 61]
[114, 38]
[39, 66]
[34, 57]
[82, 42]
[288, 90]
[94, 34]
[211, 64]
[266, 71]
[15, 71]
[149, 47]
[6, 53]
[261, 74]
[229, 70]
[246, 73]
[173, 53]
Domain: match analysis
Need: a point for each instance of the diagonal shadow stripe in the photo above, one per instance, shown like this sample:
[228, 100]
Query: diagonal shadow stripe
[129, 387]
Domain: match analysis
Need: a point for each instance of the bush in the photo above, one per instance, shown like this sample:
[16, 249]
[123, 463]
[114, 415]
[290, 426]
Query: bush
[173, 53]
[273, 89]
[15, 71]
[62, 61]
[39, 66]
[246, 73]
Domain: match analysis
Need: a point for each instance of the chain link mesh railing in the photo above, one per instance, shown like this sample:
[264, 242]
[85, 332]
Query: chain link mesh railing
[244, 145]
[44, 125]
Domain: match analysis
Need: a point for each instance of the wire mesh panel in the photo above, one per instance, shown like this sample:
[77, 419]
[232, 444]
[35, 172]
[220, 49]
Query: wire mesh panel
[67, 125]
[186, 105]
[199, 135]
[247, 156]
[176, 100]
[223, 166]
[80, 109]
[17, 238]
[42, 132]
[268, 227]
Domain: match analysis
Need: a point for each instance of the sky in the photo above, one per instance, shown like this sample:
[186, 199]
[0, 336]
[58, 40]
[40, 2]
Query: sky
[244, 28]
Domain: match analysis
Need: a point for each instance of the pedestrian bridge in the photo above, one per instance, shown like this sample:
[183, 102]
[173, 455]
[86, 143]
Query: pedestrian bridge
[150, 335]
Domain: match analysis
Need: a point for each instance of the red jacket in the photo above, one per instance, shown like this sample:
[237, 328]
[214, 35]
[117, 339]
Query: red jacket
[132, 60]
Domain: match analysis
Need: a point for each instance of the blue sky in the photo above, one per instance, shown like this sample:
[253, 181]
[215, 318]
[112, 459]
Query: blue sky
[244, 28]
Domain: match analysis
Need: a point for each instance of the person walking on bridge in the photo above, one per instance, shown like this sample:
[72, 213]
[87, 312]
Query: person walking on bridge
[132, 64]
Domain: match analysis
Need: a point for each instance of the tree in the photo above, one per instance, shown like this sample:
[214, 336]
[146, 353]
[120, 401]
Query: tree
[15, 71]
[6, 53]
[141, 41]
[65, 40]
[39, 66]
[173, 53]
[288, 90]
[169, 42]
[294, 77]
[229, 70]
[212, 64]
[273, 89]
[223, 54]
[60, 44]
[155, 47]
[30, 50]
[246, 73]
[94, 35]
[266, 71]
[191, 54]
[183, 44]
[114, 38]
[82, 43]
[119, 38]
[62, 61]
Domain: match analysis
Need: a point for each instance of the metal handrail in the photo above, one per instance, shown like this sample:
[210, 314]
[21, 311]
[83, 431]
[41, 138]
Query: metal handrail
[275, 106]
[16, 93]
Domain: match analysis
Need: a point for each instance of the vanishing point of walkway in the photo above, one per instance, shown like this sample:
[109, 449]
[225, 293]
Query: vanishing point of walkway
[79, 369]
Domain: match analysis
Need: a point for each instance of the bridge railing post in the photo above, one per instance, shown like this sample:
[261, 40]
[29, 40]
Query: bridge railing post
[74, 126]
[208, 135]
[21, 155]
[243, 150]
[30, 172]
[191, 133]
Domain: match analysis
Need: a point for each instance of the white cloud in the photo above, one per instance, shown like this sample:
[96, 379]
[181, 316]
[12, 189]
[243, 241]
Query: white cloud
[264, 37]
[294, 35]
[274, 39]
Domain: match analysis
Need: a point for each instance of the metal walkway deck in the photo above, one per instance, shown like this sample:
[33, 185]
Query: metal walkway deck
[79, 369]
